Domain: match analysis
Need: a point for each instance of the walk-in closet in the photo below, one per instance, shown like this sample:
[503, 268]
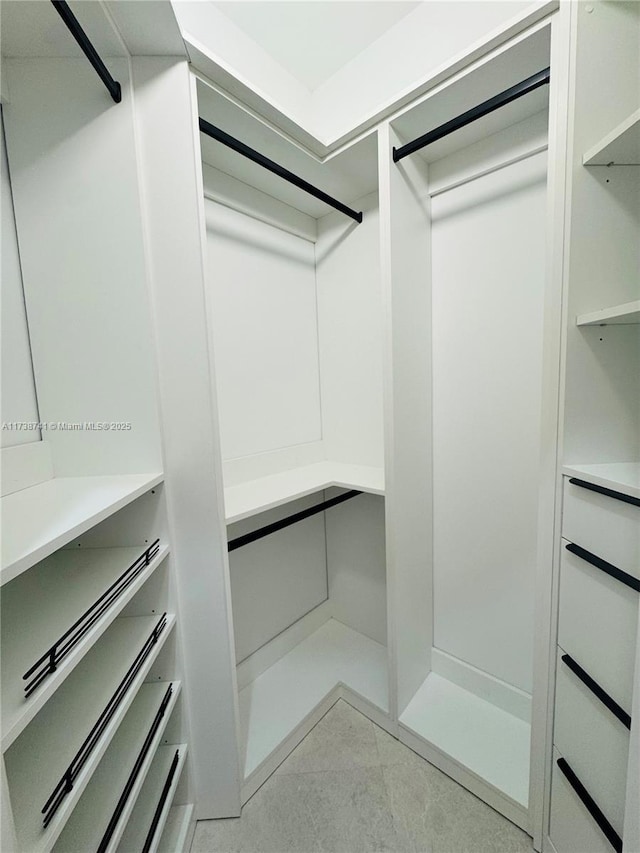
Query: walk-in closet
[320, 382]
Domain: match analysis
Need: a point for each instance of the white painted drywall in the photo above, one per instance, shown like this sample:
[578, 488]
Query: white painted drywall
[265, 335]
[350, 316]
[19, 401]
[488, 291]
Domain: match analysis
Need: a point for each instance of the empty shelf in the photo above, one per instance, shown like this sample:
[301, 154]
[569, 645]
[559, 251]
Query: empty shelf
[618, 476]
[175, 838]
[250, 498]
[62, 728]
[621, 147]
[41, 519]
[273, 705]
[481, 737]
[618, 315]
[148, 819]
[50, 599]
[118, 779]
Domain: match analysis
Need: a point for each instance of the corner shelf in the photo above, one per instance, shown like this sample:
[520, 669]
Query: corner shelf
[619, 476]
[255, 496]
[41, 519]
[627, 314]
[620, 147]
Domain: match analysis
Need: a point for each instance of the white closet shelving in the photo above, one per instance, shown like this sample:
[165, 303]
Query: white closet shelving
[618, 315]
[39, 520]
[620, 147]
[92, 660]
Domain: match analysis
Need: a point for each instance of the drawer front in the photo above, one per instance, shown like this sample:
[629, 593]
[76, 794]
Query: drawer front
[573, 829]
[598, 624]
[593, 741]
[603, 525]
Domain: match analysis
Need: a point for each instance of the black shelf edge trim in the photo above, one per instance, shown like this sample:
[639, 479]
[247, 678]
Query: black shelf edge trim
[49, 661]
[601, 490]
[65, 785]
[597, 691]
[126, 791]
[591, 806]
[607, 568]
[268, 529]
[161, 803]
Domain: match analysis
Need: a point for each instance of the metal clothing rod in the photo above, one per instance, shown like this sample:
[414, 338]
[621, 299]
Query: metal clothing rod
[73, 25]
[287, 522]
[483, 109]
[235, 144]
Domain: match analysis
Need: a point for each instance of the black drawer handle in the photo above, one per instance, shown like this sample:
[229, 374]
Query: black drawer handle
[597, 691]
[591, 806]
[607, 568]
[161, 803]
[610, 493]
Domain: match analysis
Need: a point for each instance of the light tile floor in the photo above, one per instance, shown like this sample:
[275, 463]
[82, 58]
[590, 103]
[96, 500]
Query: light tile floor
[350, 787]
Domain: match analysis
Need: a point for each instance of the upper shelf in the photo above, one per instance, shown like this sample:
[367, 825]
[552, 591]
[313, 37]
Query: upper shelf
[39, 520]
[618, 315]
[619, 476]
[247, 499]
[620, 147]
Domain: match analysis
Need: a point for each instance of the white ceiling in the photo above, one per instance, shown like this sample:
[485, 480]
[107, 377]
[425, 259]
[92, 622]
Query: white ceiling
[312, 39]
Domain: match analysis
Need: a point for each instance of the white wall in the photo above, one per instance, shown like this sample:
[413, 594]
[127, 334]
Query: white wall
[18, 388]
[265, 334]
[350, 320]
[488, 290]
[77, 205]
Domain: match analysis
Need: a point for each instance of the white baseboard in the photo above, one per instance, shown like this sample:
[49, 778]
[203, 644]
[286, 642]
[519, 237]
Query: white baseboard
[505, 696]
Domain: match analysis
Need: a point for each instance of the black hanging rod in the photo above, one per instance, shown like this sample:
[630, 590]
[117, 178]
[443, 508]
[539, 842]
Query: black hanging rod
[483, 109]
[73, 25]
[251, 154]
[289, 520]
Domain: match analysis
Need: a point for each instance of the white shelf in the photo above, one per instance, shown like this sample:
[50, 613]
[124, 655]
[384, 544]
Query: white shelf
[481, 737]
[137, 829]
[177, 830]
[41, 519]
[618, 315]
[90, 818]
[49, 599]
[619, 476]
[62, 725]
[273, 705]
[247, 499]
[621, 147]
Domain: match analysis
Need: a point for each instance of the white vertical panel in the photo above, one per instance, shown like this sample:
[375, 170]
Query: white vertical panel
[357, 565]
[350, 320]
[76, 195]
[406, 265]
[488, 293]
[18, 389]
[167, 113]
[265, 336]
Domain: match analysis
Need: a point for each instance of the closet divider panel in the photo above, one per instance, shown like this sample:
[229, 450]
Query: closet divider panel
[406, 277]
